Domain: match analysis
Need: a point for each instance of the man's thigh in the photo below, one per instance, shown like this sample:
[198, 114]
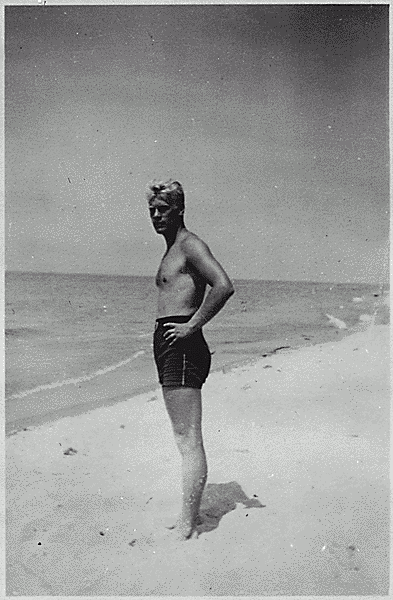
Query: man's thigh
[184, 406]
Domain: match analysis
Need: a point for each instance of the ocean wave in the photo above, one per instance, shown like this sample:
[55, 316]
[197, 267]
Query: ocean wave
[22, 331]
[49, 386]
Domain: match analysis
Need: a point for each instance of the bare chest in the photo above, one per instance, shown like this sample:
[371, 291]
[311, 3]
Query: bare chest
[173, 266]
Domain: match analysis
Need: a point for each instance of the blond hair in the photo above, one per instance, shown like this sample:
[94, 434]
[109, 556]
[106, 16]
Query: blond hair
[170, 191]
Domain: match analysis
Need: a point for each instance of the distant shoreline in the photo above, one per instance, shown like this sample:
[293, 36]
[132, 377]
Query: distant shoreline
[239, 279]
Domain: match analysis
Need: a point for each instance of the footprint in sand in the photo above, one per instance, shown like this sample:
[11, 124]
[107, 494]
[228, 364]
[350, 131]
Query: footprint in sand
[154, 542]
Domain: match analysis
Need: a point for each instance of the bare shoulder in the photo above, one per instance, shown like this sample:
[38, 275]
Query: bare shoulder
[198, 255]
[192, 245]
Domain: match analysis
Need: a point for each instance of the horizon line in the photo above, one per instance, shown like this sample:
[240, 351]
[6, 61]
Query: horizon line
[386, 283]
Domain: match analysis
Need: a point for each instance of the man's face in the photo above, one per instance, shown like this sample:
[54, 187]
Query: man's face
[163, 215]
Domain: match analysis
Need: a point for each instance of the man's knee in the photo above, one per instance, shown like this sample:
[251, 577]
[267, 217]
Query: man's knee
[180, 430]
[187, 440]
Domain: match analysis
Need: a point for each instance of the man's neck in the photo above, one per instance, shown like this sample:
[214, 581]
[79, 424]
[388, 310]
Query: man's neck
[171, 237]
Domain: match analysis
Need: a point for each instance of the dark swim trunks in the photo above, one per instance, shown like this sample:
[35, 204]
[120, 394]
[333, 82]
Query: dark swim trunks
[184, 364]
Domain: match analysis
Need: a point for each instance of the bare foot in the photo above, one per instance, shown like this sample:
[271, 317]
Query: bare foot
[184, 530]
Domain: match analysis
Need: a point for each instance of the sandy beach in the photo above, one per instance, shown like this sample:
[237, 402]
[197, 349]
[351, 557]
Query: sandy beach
[297, 499]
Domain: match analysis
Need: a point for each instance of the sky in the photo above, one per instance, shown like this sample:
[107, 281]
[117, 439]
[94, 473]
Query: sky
[273, 117]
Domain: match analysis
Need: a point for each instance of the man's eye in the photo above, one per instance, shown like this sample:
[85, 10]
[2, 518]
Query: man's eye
[160, 209]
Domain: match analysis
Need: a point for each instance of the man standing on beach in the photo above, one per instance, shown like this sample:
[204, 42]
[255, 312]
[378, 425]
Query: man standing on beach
[180, 350]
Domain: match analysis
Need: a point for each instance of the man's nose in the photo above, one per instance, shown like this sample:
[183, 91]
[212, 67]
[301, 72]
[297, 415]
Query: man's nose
[155, 213]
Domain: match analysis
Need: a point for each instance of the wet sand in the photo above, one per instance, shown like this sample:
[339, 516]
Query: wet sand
[297, 501]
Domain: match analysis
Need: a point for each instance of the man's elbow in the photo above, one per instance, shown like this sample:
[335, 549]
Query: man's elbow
[227, 290]
[231, 290]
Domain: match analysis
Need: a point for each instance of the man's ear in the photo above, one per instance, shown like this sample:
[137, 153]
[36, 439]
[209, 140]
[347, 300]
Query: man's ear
[181, 212]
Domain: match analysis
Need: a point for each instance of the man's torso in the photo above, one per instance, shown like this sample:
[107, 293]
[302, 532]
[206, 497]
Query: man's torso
[181, 287]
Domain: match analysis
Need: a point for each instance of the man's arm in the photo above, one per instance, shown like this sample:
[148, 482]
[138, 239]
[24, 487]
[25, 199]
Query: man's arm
[202, 260]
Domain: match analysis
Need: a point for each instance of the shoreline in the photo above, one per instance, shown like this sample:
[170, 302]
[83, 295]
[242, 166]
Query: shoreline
[112, 386]
[255, 325]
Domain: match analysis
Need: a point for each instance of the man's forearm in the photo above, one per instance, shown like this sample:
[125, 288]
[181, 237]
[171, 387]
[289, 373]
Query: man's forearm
[212, 304]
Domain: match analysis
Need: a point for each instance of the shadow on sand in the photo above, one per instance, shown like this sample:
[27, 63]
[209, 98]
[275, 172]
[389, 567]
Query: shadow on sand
[218, 500]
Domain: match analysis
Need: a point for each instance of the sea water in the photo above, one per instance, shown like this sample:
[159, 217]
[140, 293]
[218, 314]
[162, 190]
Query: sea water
[71, 327]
